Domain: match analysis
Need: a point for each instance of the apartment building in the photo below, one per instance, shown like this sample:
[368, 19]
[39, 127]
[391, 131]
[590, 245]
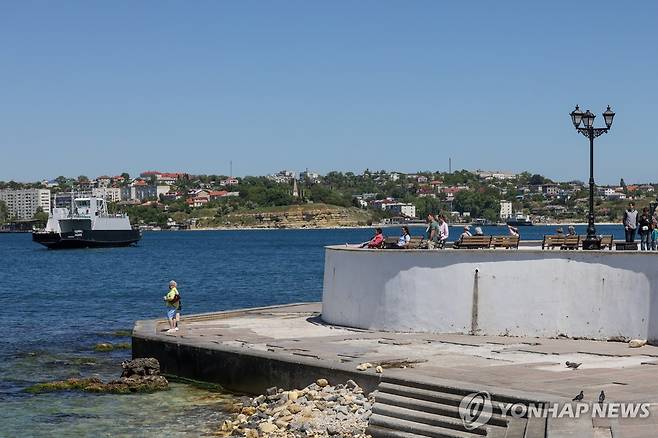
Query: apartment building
[22, 204]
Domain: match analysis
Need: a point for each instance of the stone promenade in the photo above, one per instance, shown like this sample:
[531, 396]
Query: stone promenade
[535, 366]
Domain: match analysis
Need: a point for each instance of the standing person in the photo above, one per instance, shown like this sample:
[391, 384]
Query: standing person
[630, 222]
[432, 232]
[444, 231]
[405, 238]
[172, 299]
[644, 225]
[654, 235]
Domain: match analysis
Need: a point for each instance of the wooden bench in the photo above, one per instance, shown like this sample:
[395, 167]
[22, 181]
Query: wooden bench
[505, 242]
[606, 241]
[390, 242]
[571, 242]
[416, 242]
[551, 242]
[473, 242]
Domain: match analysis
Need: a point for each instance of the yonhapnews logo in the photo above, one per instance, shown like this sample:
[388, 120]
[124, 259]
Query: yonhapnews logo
[476, 410]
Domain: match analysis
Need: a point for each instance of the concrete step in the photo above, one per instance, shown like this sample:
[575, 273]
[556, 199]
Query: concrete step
[378, 422]
[536, 428]
[433, 420]
[516, 428]
[581, 427]
[427, 395]
[382, 432]
[430, 407]
[448, 387]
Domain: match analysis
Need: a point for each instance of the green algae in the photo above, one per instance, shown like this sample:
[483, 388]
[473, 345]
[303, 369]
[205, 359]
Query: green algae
[95, 385]
[206, 386]
[103, 347]
[122, 333]
[63, 385]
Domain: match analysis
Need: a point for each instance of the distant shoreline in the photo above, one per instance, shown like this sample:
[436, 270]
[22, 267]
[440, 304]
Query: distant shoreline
[358, 227]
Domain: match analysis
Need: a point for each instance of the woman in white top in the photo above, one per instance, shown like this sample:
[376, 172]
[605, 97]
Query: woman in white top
[404, 239]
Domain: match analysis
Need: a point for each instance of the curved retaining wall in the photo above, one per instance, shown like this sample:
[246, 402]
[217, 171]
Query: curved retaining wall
[592, 294]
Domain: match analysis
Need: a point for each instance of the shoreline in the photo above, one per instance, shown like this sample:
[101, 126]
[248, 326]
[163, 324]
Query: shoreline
[358, 227]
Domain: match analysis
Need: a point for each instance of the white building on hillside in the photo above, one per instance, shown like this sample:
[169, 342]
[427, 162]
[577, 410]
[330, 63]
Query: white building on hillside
[505, 209]
[22, 204]
[494, 174]
[400, 209]
[110, 194]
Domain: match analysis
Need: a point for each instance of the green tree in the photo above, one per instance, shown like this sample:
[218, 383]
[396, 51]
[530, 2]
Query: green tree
[4, 213]
[537, 179]
[427, 205]
[61, 180]
[41, 217]
[482, 203]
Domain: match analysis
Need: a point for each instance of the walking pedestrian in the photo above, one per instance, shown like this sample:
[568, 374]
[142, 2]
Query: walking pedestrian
[433, 232]
[630, 222]
[444, 231]
[172, 300]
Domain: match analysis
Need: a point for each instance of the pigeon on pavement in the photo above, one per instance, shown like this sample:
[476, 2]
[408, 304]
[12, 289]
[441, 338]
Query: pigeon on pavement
[602, 397]
[573, 365]
[579, 397]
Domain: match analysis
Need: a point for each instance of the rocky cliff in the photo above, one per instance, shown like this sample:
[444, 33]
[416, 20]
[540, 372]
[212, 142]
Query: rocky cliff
[298, 216]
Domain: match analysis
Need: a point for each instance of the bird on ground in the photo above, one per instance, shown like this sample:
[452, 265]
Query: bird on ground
[579, 397]
[573, 365]
[601, 397]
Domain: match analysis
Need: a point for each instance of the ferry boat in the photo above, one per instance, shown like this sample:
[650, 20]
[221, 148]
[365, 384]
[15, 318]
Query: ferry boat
[519, 220]
[86, 225]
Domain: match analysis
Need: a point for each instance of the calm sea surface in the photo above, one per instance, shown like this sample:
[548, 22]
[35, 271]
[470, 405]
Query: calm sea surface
[56, 305]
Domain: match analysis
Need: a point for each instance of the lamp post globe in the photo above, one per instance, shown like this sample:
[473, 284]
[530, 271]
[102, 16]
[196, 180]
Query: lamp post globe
[576, 117]
[588, 119]
[608, 115]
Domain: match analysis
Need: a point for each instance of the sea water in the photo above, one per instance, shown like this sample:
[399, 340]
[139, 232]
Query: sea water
[56, 305]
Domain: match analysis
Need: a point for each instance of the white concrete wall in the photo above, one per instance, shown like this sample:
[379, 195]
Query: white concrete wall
[593, 294]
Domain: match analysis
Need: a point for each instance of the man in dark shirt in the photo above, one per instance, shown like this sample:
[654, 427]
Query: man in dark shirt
[644, 225]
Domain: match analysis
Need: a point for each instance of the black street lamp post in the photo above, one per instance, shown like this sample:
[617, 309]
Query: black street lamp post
[589, 131]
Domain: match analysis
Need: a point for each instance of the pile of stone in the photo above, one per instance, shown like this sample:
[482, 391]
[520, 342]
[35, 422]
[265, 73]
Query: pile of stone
[319, 410]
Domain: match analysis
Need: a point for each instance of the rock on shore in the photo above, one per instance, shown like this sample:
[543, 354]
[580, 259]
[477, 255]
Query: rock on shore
[139, 375]
[319, 410]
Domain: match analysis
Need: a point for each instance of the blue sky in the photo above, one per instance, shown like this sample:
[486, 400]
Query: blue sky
[100, 87]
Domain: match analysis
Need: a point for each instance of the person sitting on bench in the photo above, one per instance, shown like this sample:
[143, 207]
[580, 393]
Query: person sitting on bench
[404, 239]
[376, 241]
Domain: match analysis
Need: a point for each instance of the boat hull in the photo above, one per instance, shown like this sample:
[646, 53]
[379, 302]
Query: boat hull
[87, 239]
[519, 223]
